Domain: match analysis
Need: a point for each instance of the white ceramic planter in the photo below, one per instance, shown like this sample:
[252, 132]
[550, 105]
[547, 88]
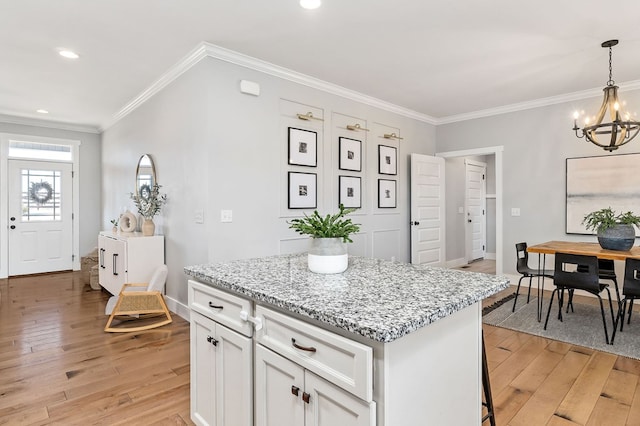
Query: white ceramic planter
[328, 256]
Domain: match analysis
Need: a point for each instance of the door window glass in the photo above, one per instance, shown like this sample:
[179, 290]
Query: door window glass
[41, 195]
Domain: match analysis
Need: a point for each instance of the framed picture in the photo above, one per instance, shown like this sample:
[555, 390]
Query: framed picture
[594, 183]
[350, 190]
[387, 160]
[303, 147]
[350, 155]
[386, 194]
[302, 190]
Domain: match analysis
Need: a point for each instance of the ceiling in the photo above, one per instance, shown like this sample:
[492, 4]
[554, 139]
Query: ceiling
[438, 58]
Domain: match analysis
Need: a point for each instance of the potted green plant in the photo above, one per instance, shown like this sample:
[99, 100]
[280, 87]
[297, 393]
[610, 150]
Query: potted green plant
[614, 231]
[114, 222]
[329, 235]
[149, 206]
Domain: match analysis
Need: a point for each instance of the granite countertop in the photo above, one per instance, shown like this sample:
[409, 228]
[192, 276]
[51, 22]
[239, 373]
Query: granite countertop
[378, 299]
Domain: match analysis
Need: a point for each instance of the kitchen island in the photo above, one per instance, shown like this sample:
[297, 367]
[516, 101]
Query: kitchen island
[402, 341]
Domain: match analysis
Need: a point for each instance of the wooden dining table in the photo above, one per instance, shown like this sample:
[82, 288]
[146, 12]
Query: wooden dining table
[572, 247]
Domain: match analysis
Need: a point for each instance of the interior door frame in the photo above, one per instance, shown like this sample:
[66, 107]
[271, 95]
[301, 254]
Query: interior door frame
[497, 151]
[5, 138]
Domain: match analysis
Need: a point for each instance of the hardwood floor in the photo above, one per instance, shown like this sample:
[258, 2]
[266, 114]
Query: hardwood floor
[58, 366]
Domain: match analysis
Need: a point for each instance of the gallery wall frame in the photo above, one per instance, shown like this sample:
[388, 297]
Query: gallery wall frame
[350, 154]
[350, 191]
[594, 183]
[387, 160]
[303, 147]
[303, 190]
[387, 194]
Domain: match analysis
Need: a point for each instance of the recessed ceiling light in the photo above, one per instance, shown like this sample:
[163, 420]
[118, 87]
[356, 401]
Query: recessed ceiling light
[42, 111]
[68, 54]
[310, 4]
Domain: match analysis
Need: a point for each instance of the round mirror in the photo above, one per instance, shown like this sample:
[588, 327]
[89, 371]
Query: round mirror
[145, 176]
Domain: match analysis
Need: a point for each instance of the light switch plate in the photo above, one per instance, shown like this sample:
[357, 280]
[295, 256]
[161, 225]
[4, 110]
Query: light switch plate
[226, 216]
[199, 216]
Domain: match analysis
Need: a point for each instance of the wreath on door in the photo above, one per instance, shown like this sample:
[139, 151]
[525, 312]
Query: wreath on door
[40, 192]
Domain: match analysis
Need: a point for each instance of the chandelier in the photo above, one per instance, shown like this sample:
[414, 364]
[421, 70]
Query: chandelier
[620, 130]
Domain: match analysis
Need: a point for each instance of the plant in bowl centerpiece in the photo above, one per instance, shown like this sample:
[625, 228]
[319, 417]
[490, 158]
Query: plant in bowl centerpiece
[615, 231]
[148, 206]
[329, 235]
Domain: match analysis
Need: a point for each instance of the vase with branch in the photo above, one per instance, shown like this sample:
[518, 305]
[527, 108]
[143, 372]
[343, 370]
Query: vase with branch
[149, 205]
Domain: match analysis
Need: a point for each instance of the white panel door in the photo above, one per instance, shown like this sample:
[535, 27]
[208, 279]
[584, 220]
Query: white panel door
[279, 390]
[427, 210]
[40, 217]
[331, 406]
[476, 209]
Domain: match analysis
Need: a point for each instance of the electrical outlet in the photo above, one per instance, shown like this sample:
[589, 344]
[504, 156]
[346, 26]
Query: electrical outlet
[199, 216]
[515, 211]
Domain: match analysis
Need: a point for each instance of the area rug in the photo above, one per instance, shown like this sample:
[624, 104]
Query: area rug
[582, 327]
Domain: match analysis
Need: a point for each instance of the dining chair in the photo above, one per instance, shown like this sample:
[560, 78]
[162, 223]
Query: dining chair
[522, 266]
[578, 272]
[630, 291]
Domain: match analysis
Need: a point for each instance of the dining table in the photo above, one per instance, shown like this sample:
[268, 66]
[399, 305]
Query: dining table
[573, 247]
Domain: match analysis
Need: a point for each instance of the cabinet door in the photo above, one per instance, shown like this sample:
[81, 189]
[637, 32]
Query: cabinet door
[112, 264]
[279, 386]
[234, 378]
[203, 371]
[329, 405]
[221, 374]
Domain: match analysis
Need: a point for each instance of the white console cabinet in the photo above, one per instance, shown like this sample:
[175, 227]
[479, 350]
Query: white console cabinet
[127, 258]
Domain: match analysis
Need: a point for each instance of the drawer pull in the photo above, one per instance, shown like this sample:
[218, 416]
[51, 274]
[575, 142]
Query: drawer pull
[211, 340]
[306, 397]
[302, 348]
[211, 305]
[295, 390]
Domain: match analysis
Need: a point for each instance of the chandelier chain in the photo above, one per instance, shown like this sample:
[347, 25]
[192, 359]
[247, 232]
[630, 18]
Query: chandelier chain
[610, 82]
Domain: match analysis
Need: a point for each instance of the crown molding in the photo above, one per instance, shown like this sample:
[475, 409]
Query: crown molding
[537, 103]
[29, 121]
[205, 49]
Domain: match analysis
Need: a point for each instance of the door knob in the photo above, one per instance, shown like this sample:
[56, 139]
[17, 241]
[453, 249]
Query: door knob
[469, 220]
[12, 227]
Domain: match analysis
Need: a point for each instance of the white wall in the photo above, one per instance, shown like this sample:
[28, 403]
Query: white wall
[89, 176]
[216, 148]
[536, 143]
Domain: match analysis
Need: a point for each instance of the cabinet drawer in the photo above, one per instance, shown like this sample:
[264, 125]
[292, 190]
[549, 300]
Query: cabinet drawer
[346, 363]
[220, 306]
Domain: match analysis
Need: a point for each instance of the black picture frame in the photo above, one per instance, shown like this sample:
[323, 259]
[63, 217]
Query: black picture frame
[302, 190]
[303, 147]
[387, 194]
[387, 160]
[350, 157]
[350, 191]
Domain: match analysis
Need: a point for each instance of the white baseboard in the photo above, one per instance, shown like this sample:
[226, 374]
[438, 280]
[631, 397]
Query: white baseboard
[179, 308]
[490, 256]
[456, 263]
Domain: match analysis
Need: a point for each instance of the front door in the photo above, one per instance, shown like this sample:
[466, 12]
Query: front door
[40, 217]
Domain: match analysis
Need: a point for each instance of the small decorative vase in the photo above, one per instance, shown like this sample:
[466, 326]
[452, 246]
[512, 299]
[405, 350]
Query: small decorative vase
[619, 237]
[114, 229]
[327, 256]
[148, 227]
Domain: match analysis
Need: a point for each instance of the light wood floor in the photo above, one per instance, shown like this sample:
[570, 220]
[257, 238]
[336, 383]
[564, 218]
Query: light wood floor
[58, 366]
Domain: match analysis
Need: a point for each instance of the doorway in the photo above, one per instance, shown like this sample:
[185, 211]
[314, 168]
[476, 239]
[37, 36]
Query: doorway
[496, 152]
[38, 230]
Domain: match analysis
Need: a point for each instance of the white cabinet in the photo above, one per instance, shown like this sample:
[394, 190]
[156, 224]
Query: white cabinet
[221, 358]
[127, 258]
[221, 382]
[289, 395]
